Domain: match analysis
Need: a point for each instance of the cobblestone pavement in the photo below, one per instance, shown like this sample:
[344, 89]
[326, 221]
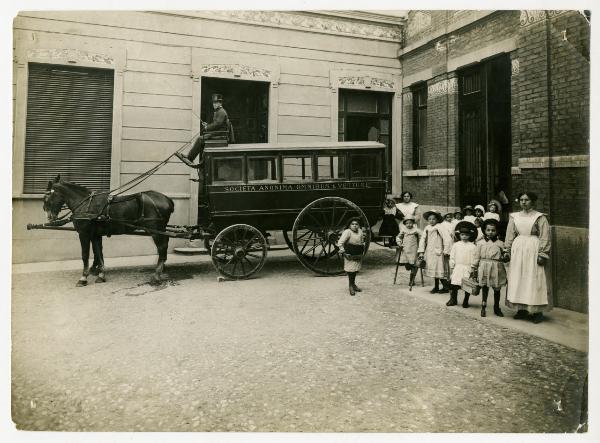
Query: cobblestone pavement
[286, 351]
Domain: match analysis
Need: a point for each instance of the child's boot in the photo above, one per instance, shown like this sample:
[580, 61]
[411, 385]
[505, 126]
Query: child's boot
[497, 309]
[453, 297]
[436, 286]
[445, 286]
[483, 306]
[465, 303]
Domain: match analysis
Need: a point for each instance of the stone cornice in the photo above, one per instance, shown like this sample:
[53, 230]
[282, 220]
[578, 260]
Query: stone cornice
[326, 23]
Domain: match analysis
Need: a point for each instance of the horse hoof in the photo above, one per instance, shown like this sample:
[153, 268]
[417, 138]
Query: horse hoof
[81, 283]
[100, 280]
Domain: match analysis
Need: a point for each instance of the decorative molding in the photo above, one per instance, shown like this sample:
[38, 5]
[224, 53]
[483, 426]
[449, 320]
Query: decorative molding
[367, 82]
[557, 161]
[236, 70]
[446, 86]
[359, 79]
[529, 17]
[408, 98]
[429, 172]
[71, 56]
[314, 23]
[514, 64]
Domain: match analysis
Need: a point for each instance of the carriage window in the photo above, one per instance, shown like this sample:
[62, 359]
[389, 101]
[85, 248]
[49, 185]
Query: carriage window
[262, 169]
[331, 167]
[227, 170]
[365, 165]
[297, 168]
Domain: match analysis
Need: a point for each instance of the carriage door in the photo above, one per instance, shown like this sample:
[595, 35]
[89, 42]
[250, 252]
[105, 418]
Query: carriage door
[484, 133]
[367, 116]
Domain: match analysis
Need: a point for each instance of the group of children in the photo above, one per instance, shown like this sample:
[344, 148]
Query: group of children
[457, 250]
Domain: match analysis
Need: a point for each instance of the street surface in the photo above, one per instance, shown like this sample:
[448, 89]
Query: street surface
[285, 351]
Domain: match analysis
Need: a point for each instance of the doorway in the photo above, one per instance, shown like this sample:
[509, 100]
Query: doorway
[484, 131]
[366, 116]
[246, 103]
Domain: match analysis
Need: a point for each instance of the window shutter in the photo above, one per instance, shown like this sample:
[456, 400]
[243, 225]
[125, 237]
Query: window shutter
[69, 126]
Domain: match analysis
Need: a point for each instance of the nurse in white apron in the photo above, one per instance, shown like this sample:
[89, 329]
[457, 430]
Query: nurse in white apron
[528, 246]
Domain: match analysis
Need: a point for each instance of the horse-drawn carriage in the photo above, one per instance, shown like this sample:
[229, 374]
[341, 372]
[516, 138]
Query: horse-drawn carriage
[307, 191]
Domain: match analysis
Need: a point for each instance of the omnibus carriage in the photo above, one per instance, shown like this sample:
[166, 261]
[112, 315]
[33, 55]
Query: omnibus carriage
[308, 191]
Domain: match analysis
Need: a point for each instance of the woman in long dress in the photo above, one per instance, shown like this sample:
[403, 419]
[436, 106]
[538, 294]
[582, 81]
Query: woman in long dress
[527, 246]
[407, 206]
[352, 245]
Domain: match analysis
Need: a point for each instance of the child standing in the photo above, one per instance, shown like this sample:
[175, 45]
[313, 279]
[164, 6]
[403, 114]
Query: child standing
[352, 245]
[408, 240]
[389, 224]
[489, 265]
[434, 247]
[477, 222]
[494, 209]
[461, 261]
[468, 213]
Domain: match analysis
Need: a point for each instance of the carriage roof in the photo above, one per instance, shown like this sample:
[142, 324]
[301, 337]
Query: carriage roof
[295, 146]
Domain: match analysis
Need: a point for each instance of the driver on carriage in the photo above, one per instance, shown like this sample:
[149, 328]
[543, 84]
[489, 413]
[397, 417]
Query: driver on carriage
[219, 128]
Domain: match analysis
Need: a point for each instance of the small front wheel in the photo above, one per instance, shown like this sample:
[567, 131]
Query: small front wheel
[239, 251]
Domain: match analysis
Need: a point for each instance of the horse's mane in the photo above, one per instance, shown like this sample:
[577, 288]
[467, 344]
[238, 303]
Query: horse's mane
[73, 185]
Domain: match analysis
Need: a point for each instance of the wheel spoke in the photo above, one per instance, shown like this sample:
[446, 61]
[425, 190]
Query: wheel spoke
[243, 267]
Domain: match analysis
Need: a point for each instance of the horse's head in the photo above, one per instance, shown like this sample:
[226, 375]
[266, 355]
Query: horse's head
[53, 199]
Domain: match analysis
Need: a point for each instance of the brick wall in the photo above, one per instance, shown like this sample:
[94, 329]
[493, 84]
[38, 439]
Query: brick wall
[549, 123]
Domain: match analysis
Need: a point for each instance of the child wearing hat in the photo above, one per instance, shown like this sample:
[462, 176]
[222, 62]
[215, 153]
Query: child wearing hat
[489, 265]
[408, 240]
[479, 211]
[434, 247]
[461, 260]
[468, 214]
[389, 223]
[494, 209]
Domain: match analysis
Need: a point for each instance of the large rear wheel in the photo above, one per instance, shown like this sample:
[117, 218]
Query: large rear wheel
[317, 229]
[239, 251]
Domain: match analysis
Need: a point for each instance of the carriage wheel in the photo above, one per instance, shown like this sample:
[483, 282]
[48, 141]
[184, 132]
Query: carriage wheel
[239, 251]
[317, 230]
[288, 241]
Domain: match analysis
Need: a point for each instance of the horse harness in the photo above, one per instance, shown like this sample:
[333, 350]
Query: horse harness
[103, 215]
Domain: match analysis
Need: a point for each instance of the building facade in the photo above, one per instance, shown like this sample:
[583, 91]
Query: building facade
[499, 101]
[469, 103]
[113, 93]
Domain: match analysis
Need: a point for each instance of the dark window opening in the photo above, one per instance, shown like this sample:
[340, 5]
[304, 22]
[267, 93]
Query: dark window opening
[366, 116]
[262, 169]
[365, 166]
[246, 103]
[419, 126]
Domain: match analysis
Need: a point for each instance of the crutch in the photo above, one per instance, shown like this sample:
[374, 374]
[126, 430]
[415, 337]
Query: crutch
[397, 263]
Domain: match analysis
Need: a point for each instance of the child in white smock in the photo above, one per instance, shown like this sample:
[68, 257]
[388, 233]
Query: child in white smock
[461, 261]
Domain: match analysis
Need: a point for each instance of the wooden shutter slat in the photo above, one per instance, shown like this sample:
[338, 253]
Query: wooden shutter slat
[69, 126]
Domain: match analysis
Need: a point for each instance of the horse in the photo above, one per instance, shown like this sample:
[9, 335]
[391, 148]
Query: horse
[95, 215]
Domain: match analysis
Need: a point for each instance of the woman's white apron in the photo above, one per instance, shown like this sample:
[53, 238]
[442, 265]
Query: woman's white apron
[527, 279]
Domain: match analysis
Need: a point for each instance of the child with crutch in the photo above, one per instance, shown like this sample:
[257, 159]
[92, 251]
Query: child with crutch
[408, 243]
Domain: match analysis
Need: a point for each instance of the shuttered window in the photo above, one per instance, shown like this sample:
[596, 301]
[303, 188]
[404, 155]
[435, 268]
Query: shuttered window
[69, 126]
